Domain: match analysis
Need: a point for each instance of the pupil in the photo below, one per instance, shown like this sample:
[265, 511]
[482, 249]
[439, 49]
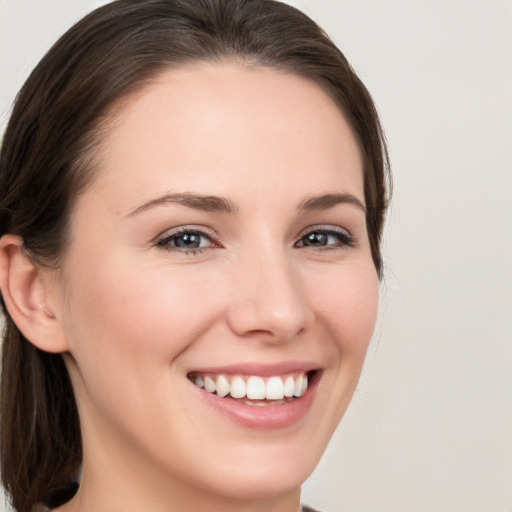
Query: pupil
[188, 240]
[317, 239]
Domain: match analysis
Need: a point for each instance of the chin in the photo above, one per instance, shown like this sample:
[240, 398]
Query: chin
[268, 483]
[268, 474]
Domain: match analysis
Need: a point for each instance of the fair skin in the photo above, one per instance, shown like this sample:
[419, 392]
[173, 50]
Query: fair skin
[275, 279]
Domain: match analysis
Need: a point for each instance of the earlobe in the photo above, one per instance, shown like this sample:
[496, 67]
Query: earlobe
[26, 297]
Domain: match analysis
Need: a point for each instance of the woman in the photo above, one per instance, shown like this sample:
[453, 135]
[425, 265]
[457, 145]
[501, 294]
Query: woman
[193, 194]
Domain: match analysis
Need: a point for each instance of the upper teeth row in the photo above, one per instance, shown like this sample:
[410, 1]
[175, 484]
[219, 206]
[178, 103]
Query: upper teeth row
[255, 387]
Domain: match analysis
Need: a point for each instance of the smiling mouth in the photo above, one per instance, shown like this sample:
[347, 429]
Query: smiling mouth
[253, 389]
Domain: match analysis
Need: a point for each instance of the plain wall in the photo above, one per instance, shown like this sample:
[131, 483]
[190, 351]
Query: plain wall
[430, 426]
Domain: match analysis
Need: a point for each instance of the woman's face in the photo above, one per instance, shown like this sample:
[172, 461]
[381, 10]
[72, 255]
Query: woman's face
[222, 245]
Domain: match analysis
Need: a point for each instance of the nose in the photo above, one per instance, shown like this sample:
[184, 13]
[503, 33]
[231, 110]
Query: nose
[268, 301]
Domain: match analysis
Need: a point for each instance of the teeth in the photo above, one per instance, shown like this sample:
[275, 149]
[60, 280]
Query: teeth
[298, 386]
[304, 384]
[289, 386]
[209, 385]
[255, 388]
[274, 389]
[263, 404]
[223, 387]
[238, 388]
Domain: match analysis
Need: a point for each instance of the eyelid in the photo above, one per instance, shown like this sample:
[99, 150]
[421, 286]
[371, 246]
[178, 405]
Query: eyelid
[325, 228]
[345, 238]
[160, 240]
[329, 229]
[186, 228]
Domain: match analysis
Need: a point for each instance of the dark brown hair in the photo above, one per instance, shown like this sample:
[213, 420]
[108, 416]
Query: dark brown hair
[48, 148]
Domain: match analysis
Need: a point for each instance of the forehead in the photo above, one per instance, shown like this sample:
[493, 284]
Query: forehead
[207, 126]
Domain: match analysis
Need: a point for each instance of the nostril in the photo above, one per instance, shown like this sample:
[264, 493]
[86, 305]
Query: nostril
[268, 323]
[269, 302]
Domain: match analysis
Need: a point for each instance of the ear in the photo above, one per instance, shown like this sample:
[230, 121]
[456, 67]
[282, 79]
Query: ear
[24, 288]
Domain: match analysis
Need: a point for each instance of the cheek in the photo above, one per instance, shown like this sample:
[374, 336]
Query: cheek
[137, 320]
[346, 301]
[127, 330]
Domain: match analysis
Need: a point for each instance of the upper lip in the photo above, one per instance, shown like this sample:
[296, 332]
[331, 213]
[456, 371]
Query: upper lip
[263, 370]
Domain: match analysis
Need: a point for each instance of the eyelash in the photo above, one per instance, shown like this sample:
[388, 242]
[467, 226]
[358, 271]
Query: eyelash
[165, 242]
[344, 239]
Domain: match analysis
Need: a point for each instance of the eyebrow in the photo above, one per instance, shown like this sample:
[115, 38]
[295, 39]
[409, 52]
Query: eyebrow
[217, 204]
[326, 201]
[197, 201]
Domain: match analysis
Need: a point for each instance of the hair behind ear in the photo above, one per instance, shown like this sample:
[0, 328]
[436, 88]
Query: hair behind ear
[39, 427]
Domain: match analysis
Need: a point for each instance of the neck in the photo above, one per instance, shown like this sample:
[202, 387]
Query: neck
[107, 488]
[89, 499]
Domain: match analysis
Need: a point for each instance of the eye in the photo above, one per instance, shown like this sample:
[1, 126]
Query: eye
[187, 241]
[326, 238]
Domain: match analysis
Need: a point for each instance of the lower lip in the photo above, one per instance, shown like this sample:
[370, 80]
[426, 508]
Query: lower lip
[265, 417]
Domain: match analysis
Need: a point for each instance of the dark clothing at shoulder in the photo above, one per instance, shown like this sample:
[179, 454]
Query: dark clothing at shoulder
[56, 497]
[39, 507]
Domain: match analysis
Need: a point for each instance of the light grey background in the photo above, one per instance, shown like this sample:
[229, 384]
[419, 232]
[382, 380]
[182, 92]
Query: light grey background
[430, 427]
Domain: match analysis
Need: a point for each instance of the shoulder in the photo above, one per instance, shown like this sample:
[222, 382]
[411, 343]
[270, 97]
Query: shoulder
[305, 508]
